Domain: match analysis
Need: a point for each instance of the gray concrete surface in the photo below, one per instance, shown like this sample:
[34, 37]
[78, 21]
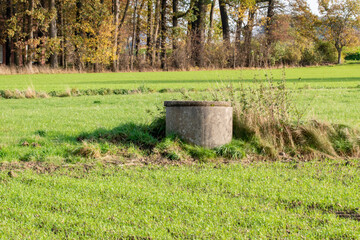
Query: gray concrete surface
[203, 123]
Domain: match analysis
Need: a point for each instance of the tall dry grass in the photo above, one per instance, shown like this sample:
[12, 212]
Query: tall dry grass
[5, 70]
[265, 114]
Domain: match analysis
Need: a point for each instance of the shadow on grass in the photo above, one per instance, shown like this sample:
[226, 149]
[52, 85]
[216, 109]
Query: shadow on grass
[141, 135]
[152, 140]
[144, 136]
[353, 63]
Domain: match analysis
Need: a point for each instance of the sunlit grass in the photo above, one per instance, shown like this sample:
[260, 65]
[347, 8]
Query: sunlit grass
[314, 77]
[278, 200]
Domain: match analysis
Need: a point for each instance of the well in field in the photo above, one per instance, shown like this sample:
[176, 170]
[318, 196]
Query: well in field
[204, 123]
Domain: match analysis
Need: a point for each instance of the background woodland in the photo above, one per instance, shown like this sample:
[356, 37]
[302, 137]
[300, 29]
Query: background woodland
[126, 35]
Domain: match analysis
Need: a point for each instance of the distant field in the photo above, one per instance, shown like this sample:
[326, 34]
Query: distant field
[49, 192]
[315, 77]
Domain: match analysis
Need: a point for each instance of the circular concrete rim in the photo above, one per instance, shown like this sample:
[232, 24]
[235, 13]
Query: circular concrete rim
[196, 104]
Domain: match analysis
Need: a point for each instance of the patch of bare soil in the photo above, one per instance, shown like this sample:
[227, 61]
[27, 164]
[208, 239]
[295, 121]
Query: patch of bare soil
[107, 161]
[39, 167]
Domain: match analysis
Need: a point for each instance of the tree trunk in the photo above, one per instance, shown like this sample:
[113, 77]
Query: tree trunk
[238, 32]
[211, 21]
[225, 31]
[149, 31]
[24, 29]
[133, 37]
[269, 28]
[31, 35]
[269, 21]
[124, 14]
[137, 37]
[16, 39]
[339, 50]
[53, 34]
[63, 56]
[41, 59]
[224, 23]
[198, 33]
[175, 32]
[248, 37]
[116, 7]
[163, 35]
[119, 56]
[237, 47]
[8, 43]
[156, 31]
[78, 34]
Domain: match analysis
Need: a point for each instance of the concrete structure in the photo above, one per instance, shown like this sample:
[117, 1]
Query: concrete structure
[208, 124]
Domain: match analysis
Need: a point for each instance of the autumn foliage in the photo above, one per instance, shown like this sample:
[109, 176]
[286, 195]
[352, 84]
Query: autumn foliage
[120, 35]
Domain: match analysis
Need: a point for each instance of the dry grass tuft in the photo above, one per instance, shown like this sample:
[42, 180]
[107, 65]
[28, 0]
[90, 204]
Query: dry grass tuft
[88, 151]
[315, 138]
[43, 95]
[67, 93]
[30, 93]
[18, 94]
[5, 70]
[8, 94]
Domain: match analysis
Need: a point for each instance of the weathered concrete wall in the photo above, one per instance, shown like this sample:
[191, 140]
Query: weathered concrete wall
[208, 124]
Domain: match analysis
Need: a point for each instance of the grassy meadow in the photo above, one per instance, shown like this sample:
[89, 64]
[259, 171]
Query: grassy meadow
[344, 76]
[258, 201]
[50, 191]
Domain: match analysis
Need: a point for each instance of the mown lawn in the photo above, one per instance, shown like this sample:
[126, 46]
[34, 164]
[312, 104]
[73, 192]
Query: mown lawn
[65, 196]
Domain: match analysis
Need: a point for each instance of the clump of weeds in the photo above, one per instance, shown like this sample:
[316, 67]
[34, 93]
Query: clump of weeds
[266, 117]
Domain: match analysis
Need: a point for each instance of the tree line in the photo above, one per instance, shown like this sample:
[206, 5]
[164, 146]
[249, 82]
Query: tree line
[175, 34]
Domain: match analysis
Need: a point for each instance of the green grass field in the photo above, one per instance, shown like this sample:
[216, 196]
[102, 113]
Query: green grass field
[257, 201]
[316, 77]
[52, 193]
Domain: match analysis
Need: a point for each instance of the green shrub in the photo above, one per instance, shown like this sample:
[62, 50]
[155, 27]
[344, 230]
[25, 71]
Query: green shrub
[121, 91]
[310, 56]
[285, 53]
[353, 56]
[326, 52]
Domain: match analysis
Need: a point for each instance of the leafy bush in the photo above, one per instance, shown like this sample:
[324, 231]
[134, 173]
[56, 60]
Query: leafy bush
[353, 56]
[326, 52]
[310, 57]
[285, 53]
